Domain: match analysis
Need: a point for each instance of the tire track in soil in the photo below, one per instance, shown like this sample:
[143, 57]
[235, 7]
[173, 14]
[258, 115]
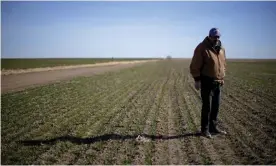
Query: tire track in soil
[145, 150]
[54, 150]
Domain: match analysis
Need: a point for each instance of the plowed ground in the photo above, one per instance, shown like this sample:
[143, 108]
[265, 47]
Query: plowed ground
[148, 114]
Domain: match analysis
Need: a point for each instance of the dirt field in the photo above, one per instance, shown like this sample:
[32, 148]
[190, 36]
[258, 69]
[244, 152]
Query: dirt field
[147, 114]
[23, 64]
[32, 69]
[16, 80]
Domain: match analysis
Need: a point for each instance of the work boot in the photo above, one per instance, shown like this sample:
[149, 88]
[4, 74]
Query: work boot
[206, 134]
[218, 131]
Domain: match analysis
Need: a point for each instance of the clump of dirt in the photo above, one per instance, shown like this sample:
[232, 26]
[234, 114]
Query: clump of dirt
[140, 138]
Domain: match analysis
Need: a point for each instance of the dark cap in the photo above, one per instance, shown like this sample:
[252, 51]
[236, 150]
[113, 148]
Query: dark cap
[214, 32]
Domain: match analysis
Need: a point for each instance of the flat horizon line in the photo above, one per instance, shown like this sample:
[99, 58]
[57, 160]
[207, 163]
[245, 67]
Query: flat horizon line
[126, 58]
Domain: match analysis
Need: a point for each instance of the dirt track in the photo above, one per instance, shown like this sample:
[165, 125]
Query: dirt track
[17, 82]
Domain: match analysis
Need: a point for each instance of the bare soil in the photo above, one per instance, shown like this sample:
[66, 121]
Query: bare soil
[16, 80]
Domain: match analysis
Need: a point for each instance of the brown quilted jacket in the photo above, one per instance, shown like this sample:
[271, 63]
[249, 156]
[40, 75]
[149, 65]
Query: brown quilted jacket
[208, 62]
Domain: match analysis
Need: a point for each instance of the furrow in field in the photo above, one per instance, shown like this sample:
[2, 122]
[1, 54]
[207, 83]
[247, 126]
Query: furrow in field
[208, 152]
[227, 141]
[188, 143]
[60, 116]
[131, 147]
[99, 147]
[136, 127]
[63, 111]
[244, 87]
[102, 117]
[68, 88]
[153, 151]
[109, 152]
[255, 99]
[18, 148]
[258, 146]
[255, 112]
[235, 142]
[258, 135]
[41, 99]
[257, 109]
[252, 97]
[63, 125]
[96, 120]
[237, 135]
[220, 144]
[176, 155]
[144, 150]
[161, 151]
[179, 122]
[132, 127]
[265, 127]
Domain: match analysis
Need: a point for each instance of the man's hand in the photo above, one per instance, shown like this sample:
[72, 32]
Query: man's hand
[197, 85]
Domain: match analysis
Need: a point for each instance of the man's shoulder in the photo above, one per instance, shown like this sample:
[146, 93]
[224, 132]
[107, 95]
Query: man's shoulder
[200, 45]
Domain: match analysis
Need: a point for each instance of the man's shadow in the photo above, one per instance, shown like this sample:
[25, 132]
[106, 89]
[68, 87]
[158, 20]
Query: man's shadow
[101, 138]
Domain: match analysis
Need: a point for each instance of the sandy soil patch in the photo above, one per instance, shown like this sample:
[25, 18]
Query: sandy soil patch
[19, 71]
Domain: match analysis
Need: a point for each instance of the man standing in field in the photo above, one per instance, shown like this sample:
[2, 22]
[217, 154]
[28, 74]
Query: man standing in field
[208, 70]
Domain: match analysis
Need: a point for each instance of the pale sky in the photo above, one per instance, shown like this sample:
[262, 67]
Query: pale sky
[135, 29]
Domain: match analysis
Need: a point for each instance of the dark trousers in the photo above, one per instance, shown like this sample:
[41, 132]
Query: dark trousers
[210, 95]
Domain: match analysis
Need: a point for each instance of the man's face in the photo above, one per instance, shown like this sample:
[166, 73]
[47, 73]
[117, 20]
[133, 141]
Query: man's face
[214, 39]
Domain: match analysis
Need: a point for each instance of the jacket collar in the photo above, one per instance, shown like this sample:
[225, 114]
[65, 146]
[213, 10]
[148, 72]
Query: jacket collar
[208, 43]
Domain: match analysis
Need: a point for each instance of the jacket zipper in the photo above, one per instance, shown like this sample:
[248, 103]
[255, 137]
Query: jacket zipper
[217, 54]
[218, 63]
